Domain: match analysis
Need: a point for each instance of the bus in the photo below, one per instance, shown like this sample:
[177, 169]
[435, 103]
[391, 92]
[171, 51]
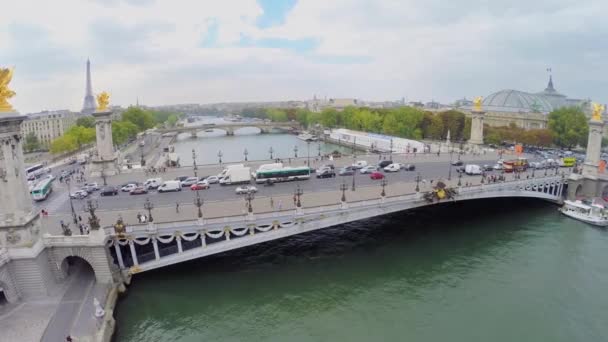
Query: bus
[35, 171]
[42, 190]
[282, 174]
[517, 165]
[567, 162]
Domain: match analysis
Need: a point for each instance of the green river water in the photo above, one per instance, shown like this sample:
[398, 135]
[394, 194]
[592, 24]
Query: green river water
[500, 270]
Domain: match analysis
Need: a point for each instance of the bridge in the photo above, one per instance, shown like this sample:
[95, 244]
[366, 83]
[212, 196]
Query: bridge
[230, 128]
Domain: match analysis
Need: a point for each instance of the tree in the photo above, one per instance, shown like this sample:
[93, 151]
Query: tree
[81, 135]
[123, 131]
[432, 126]
[86, 121]
[31, 142]
[141, 118]
[63, 144]
[453, 121]
[569, 126]
[172, 120]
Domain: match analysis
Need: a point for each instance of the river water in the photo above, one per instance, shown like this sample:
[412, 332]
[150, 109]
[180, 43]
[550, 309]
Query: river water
[499, 270]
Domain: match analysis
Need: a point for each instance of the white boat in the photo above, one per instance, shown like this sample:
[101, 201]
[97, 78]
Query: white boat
[307, 136]
[594, 214]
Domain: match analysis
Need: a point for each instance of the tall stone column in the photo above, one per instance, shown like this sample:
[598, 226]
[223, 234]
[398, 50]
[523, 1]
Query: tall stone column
[476, 127]
[594, 148]
[105, 162]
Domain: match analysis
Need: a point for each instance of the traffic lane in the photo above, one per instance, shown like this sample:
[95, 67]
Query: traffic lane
[217, 192]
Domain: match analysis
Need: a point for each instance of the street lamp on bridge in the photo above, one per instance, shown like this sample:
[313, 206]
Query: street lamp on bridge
[93, 219]
[450, 167]
[354, 146]
[354, 172]
[298, 193]
[319, 149]
[249, 198]
[418, 182]
[142, 160]
[271, 151]
[68, 181]
[245, 153]
[149, 206]
[219, 156]
[198, 202]
[383, 183]
[295, 151]
[460, 179]
[308, 153]
[343, 187]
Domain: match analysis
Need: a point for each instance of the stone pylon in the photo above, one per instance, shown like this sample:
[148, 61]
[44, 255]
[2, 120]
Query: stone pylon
[105, 162]
[594, 148]
[477, 127]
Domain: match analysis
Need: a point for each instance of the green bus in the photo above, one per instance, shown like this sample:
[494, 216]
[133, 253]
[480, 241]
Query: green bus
[42, 190]
[283, 174]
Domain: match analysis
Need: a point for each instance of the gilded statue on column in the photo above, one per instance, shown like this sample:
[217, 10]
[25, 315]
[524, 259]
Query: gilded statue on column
[598, 109]
[103, 100]
[477, 103]
[6, 75]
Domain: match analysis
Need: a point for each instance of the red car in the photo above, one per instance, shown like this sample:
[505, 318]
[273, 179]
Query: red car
[376, 175]
[199, 186]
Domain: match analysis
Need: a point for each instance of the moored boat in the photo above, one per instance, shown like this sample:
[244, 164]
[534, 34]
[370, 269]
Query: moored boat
[306, 136]
[593, 213]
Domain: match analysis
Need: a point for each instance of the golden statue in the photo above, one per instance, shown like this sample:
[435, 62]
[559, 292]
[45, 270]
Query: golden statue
[103, 100]
[477, 103]
[5, 93]
[598, 109]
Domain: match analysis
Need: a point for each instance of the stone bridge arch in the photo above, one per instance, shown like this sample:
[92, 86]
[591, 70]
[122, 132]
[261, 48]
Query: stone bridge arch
[96, 257]
[11, 292]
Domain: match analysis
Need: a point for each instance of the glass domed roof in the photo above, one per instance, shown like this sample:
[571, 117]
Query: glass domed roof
[516, 101]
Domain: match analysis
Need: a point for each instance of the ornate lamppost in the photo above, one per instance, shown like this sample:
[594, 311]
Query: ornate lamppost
[308, 153]
[149, 206]
[68, 180]
[198, 202]
[383, 183]
[298, 193]
[391, 151]
[343, 187]
[460, 179]
[245, 153]
[219, 156]
[533, 172]
[450, 167]
[249, 198]
[93, 219]
[271, 151]
[319, 150]
[142, 160]
[418, 182]
[354, 146]
[295, 151]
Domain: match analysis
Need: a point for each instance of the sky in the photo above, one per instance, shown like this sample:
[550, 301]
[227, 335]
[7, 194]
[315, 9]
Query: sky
[205, 51]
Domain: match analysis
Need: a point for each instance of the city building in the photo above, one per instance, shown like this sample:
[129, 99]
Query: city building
[524, 109]
[48, 125]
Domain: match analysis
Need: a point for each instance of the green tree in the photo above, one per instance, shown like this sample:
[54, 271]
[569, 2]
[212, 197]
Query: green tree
[31, 142]
[569, 126]
[275, 114]
[432, 126]
[122, 131]
[141, 118]
[329, 118]
[172, 120]
[453, 121]
[86, 121]
[81, 135]
[63, 144]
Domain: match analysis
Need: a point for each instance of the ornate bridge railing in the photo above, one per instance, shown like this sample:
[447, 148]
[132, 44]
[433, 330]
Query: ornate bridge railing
[145, 247]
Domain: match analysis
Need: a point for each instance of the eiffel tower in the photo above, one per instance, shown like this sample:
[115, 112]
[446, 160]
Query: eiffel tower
[89, 101]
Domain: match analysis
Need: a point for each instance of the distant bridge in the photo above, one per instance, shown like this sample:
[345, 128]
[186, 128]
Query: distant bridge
[230, 128]
[149, 246]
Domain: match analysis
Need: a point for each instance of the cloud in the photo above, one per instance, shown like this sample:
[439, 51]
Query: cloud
[206, 51]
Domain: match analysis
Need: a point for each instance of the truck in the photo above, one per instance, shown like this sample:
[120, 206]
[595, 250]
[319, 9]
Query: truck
[472, 169]
[517, 165]
[229, 167]
[236, 175]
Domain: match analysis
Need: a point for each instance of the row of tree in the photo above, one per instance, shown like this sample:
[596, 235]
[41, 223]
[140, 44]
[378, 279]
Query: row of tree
[133, 121]
[567, 127]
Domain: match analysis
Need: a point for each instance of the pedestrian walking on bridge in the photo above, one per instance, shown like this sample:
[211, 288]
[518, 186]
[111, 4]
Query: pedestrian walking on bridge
[177, 207]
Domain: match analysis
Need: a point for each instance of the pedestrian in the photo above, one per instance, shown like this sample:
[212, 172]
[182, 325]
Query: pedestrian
[81, 228]
[294, 200]
[86, 229]
[139, 217]
[271, 203]
[177, 207]
[79, 218]
[69, 338]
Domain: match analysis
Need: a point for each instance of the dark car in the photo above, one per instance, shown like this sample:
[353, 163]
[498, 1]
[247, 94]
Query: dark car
[487, 167]
[457, 163]
[460, 169]
[409, 167]
[384, 163]
[181, 178]
[326, 173]
[109, 191]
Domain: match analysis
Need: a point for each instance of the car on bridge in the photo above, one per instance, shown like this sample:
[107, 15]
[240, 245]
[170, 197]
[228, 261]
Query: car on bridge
[326, 173]
[201, 185]
[369, 169]
[109, 191]
[90, 187]
[212, 179]
[457, 163]
[189, 181]
[394, 167]
[385, 163]
[139, 190]
[79, 194]
[347, 171]
[376, 175]
[409, 167]
[247, 189]
[128, 187]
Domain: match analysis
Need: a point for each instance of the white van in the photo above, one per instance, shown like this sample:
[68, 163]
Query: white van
[153, 183]
[172, 185]
[472, 169]
[395, 167]
[360, 164]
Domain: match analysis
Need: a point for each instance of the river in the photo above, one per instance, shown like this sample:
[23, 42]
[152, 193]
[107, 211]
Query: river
[499, 270]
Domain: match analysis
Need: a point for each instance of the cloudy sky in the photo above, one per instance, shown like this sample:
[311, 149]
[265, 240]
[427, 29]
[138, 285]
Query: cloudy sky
[203, 51]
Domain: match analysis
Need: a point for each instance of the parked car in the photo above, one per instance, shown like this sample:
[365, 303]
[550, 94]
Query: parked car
[90, 187]
[487, 167]
[460, 169]
[173, 185]
[326, 173]
[369, 169]
[359, 164]
[153, 183]
[181, 178]
[128, 187]
[212, 179]
[79, 194]
[109, 191]
[189, 181]
[346, 171]
[376, 175]
[385, 163]
[330, 166]
[201, 185]
[394, 167]
[246, 189]
[409, 167]
[140, 190]
[457, 163]
[497, 166]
